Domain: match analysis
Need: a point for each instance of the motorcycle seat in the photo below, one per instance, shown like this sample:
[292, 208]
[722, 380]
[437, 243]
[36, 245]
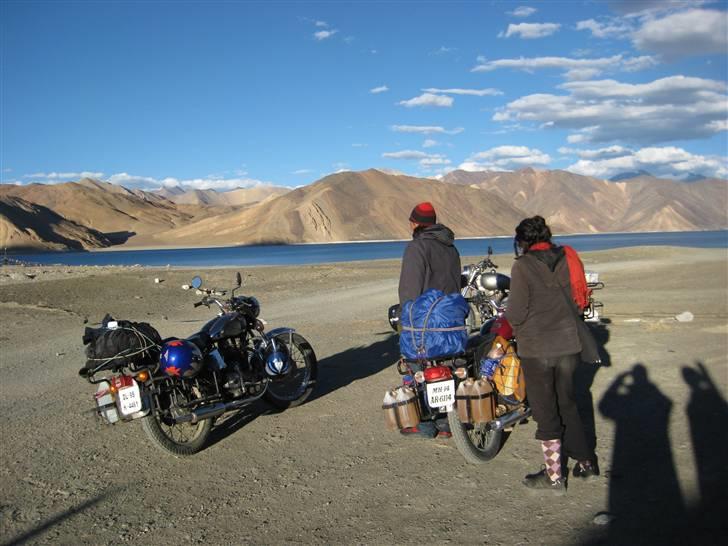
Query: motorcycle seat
[201, 340]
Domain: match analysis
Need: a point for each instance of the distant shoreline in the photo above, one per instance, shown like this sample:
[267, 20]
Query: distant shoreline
[481, 238]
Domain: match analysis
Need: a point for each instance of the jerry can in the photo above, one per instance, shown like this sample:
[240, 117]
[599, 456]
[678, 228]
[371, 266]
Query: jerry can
[482, 402]
[462, 400]
[401, 408]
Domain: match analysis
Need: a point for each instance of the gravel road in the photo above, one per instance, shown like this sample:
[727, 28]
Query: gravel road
[328, 472]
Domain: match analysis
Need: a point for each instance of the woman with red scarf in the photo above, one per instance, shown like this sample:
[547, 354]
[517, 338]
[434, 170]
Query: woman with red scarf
[543, 314]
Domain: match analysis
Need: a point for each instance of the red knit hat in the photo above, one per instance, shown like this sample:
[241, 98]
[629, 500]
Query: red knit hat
[424, 214]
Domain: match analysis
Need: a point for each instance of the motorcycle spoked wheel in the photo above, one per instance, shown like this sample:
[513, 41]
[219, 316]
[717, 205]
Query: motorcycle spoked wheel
[179, 439]
[474, 443]
[296, 386]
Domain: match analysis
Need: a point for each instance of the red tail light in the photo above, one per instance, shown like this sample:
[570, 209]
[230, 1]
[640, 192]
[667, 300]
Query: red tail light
[437, 373]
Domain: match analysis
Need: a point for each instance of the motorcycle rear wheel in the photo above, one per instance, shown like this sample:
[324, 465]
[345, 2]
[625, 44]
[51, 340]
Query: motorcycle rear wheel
[179, 439]
[474, 443]
[293, 389]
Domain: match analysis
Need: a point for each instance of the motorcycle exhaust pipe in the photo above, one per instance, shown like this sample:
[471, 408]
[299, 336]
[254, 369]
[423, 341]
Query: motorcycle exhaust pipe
[208, 412]
[508, 419]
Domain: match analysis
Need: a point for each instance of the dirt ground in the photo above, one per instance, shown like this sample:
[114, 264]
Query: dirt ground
[328, 472]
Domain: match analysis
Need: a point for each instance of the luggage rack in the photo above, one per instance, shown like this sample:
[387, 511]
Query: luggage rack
[593, 310]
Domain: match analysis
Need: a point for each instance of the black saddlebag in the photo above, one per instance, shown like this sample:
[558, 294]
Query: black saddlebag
[123, 344]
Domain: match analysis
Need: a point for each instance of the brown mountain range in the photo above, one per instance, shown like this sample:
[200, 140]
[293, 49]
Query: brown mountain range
[580, 204]
[32, 227]
[372, 205]
[352, 206]
[233, 198]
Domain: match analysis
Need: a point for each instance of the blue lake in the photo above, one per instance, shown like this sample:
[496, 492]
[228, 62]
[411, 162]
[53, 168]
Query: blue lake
[347, 252]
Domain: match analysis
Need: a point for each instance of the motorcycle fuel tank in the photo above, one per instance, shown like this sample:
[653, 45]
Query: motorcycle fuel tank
[494, 281]
[227, 325]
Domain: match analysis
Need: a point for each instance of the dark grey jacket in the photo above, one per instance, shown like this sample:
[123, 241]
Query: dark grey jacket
[430, 261]
[539, 305]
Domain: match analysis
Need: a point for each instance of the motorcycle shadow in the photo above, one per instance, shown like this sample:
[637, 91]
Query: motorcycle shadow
[339, 370]
[230, 423]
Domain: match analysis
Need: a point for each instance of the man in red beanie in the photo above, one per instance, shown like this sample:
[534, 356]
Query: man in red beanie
[430, 261]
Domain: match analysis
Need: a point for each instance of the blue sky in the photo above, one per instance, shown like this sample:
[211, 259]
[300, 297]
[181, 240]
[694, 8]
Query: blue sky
[227, 94]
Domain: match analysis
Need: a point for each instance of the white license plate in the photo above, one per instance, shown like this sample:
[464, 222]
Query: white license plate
[441, 394]
[130, 399]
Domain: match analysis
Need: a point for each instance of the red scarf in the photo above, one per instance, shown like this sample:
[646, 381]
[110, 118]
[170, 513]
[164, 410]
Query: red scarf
[579, 289]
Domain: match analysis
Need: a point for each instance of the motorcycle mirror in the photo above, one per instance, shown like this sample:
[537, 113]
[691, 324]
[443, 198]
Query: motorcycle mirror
[196, 282]
[238, 279]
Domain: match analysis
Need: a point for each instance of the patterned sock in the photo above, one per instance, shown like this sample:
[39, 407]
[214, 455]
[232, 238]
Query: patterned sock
[552, 456]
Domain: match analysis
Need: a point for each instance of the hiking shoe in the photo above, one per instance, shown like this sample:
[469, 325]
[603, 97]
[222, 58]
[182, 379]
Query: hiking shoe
[444, 434]
[585, 472]
[421, 431]
[541, 481]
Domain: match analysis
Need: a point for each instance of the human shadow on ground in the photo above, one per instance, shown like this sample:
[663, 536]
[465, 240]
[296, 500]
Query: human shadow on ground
[645, 504]
[339, 370]
[584, 379]
[708, 416]
[43, 526]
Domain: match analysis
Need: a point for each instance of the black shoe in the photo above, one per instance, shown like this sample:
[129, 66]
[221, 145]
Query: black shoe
[541, 481]
[586, 472]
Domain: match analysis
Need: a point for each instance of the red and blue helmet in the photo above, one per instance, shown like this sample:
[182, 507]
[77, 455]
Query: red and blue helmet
[180, 358]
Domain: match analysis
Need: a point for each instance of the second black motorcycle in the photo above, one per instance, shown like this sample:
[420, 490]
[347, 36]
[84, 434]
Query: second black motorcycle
[176, 387]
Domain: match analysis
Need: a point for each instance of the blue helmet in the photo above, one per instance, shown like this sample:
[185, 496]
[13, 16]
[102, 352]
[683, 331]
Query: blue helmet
[180, 358]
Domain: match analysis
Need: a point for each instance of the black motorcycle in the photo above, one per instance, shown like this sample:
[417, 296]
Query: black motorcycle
[178, 386]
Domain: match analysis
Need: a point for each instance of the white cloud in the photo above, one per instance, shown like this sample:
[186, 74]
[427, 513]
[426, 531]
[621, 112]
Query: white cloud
[434, 161]
[522, 11]
[426, 129]
[691, 32]
[54, 176]
[444, 50]
[428, 99]
[132, 181]
[613, 28]
[673, 108]
[575, 68]
[430, 143]
[531, 31]
[601, 153]
[321, 24]
[302, 171]
[324, 34]
[405, 154]
[457, 91]
[505, 158]
[425, 160]
[380, 89]
[667, 161]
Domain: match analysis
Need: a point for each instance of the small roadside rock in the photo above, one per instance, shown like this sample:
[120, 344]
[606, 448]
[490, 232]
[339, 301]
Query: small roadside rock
[685, 316]
[603, 518]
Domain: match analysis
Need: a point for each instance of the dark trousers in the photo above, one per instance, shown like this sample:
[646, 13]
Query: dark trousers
[550, 391]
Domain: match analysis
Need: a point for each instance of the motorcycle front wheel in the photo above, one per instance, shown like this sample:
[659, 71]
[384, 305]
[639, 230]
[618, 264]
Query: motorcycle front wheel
[297, 385]
[179, 439]
[474, 442]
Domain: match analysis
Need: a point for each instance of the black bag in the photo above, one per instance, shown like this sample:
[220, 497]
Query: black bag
[129, 342]
[589, 347]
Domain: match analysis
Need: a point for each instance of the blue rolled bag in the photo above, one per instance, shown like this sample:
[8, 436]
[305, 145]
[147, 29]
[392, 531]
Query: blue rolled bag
[433, 325]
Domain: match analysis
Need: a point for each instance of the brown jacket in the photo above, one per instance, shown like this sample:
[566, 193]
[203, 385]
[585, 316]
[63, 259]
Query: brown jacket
[543, 318]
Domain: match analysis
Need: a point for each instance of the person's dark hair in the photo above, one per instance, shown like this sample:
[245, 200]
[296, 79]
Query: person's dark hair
[533, 230]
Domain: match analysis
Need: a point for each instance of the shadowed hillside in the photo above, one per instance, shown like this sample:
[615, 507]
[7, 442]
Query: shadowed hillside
[28, 226]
